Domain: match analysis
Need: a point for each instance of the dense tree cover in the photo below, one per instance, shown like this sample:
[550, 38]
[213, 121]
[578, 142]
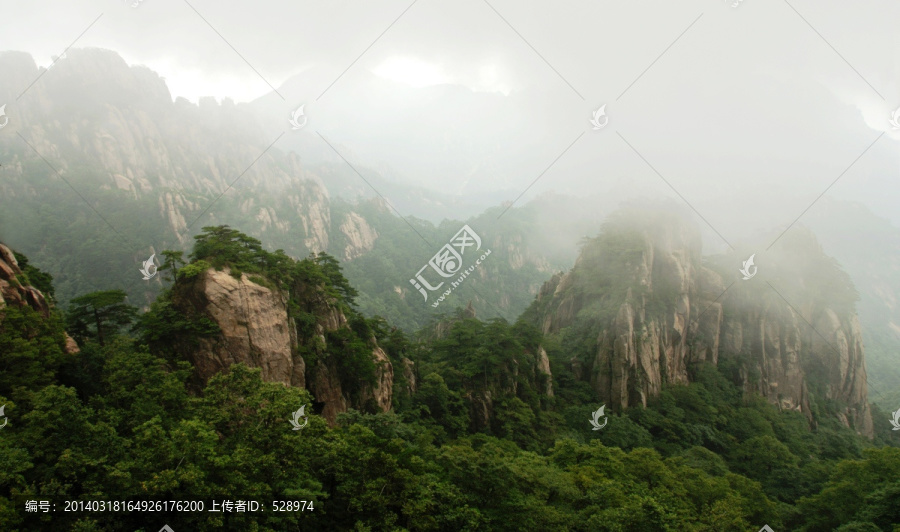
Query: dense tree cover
[98, 315]
[141, 436]
[72, 243]
[120, 421]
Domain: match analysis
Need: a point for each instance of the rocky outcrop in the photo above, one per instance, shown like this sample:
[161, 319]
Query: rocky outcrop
[659, 311]
[324, 377]
[543, 366]
[381, 391]
[409, 376]
[770, 340]
[256, 330]
[133, 138]
[13, 292]
[326, 387]
[442, 327]
[637, 350]
[481, 408]
[359, 235]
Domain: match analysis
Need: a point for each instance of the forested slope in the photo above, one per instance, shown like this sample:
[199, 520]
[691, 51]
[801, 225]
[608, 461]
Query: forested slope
[474, 440]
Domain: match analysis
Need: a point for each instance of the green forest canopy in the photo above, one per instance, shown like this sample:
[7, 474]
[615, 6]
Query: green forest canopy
[119, 421]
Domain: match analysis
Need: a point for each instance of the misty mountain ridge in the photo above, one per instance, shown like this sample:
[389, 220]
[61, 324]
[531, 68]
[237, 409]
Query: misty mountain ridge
[642, 308]
[152, 166]
[725, 402]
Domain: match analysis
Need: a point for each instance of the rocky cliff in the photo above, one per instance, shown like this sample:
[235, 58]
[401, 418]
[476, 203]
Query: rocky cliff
[256, 328]
[642, 297]
[113, 131]
[157, 169]
[15, 292]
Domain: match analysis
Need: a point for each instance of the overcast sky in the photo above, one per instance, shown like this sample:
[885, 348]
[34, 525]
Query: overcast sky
[596, 46]
[743, 112]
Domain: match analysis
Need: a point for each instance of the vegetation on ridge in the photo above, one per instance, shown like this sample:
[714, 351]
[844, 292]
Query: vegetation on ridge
[119, 421]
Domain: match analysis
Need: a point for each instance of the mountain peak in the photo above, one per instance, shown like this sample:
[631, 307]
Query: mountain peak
[642, 298]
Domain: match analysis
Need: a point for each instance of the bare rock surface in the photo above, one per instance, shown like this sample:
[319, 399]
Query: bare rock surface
[255, 330]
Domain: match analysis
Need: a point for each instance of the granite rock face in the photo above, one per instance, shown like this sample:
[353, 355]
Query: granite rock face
[14, 293]
[665, 312]
[256, 330]
[142, 144]
[359, 234]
